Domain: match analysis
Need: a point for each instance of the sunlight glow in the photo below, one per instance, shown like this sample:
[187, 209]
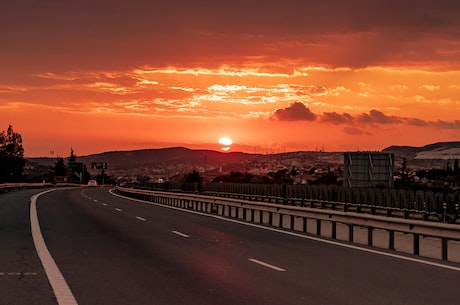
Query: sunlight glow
[225, 141]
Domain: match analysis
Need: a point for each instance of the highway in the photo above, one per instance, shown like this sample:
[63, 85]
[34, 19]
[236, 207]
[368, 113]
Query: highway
[112, 250]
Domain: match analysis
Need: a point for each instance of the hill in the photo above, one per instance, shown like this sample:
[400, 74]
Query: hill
[178, 161]
[437, 151]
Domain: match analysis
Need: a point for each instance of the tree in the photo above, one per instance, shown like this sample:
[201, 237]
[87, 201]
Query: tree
[449, 170]
[11, 155]
[193, 177]
[456, 167]
[72, 157]
[59, 167]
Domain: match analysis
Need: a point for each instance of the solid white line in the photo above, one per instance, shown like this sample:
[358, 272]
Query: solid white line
[336, 243]
[141, 218]
[181, 234]
[266, 265]
[118, 210]
[61, 290]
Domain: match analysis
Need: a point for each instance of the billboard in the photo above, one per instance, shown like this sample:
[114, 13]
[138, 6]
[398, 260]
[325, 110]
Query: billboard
[368, 169]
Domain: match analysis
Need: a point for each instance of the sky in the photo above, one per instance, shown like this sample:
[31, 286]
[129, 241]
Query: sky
[274, 76]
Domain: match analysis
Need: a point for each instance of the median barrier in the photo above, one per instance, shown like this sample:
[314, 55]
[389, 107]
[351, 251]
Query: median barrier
[8, 187]
[299, 217]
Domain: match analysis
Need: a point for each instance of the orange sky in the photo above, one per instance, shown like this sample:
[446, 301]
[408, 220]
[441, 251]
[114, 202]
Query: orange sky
[274, 76]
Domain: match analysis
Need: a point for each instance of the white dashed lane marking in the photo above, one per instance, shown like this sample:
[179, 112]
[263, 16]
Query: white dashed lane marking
[266, 265]
[118, 210]
[17, 273]
[181, 234]
[140, 218]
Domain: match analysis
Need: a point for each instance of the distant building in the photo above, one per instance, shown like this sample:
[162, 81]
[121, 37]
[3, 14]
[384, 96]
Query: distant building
[368, 169]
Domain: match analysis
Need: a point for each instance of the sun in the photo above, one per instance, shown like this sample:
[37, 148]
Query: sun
[226, 142]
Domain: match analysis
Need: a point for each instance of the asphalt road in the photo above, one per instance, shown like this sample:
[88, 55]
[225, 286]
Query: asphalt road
[22, 278]
[112, 250]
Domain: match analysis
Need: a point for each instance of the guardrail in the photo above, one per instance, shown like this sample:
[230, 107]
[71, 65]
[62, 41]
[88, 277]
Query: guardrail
[285, 216]
[352, 207]
[6, 187]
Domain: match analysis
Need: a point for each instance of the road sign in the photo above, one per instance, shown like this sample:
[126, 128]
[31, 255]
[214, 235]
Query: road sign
[75, 172]
[99, 165]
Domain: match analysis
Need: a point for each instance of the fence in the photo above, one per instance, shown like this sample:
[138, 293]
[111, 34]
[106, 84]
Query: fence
[445, 206]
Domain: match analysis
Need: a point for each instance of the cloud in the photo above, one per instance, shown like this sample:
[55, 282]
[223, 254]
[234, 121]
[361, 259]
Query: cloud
[446, 124]
[417, 122]
[336, 118]
[296, 111]
[430, 87]
[378, 117]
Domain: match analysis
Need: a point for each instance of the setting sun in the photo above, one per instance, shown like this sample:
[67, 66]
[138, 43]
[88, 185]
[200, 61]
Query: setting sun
[226, 141]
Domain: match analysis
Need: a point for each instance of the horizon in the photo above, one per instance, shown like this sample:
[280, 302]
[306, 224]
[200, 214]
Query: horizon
[287, 76]
[193, 149]
[230, 152]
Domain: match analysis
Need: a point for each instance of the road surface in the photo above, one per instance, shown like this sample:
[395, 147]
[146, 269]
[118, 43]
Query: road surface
[112, 250]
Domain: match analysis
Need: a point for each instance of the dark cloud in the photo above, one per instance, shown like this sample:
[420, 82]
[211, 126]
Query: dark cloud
[360, 33]
[447, 125]
[336, 118]
[294, 112]
[298, 111]
[417, 122]
[378, 117]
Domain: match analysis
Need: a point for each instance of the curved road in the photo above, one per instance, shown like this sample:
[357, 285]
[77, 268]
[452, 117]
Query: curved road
[112, 250]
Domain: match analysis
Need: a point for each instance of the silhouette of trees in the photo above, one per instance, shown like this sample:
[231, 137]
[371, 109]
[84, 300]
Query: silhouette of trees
[193, 177]
[11, 155]
[72, 157]
[60, 169]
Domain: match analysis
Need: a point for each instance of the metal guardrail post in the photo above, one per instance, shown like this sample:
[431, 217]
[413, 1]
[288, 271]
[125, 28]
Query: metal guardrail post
[391, 239]
[444, 251]
[351, 231]
[416, 244]
[370, 236]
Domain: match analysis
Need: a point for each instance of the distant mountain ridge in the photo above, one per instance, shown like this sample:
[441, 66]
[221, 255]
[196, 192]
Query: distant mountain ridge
[439, 150]
[176, 161]
[171, 155]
